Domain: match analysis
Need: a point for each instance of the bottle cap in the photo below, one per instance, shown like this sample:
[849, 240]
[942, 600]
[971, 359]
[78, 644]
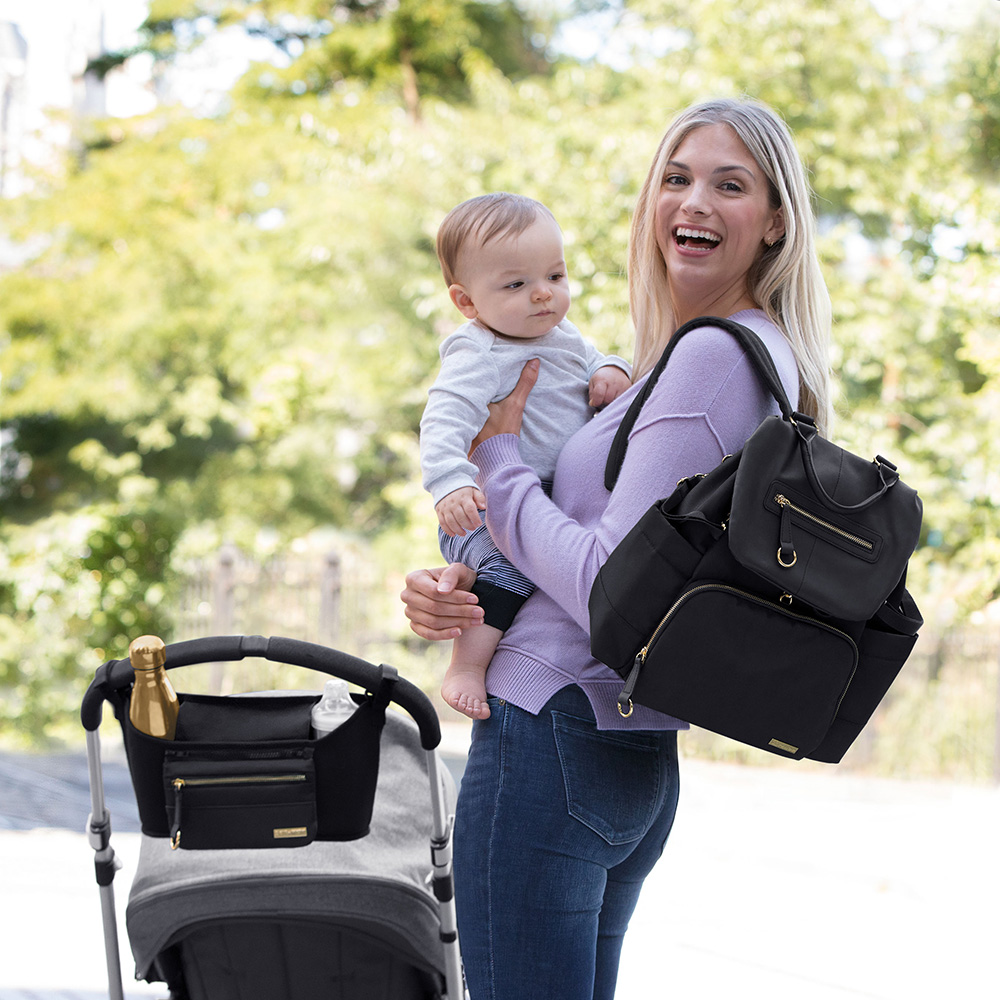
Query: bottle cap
[335, 689]
[147, 652]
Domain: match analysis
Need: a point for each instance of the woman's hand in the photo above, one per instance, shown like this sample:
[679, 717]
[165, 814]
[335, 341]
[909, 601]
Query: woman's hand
[438, 602]
[505, 415]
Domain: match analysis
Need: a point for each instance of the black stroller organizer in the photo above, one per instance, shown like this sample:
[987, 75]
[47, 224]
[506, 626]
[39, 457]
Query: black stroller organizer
[356, 911]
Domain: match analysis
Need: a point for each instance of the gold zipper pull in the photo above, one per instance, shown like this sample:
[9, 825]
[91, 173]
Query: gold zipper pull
[625, 698]
[175, 830]
[787, 557]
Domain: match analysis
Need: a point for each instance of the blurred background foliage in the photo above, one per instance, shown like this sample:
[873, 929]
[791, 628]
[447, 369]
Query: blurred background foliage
[228, 321]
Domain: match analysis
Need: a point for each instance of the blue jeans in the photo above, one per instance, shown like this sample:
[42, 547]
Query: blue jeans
[556, 827]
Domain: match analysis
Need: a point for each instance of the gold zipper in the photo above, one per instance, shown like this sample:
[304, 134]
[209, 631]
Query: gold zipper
[625, 698]
[248, 779]
[239, 779]
[782, 501]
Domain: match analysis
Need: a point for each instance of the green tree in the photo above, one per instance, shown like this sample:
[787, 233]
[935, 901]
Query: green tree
[414, 47]
[228, 324]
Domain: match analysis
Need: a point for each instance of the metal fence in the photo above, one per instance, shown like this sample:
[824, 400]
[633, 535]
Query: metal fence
[333, 598]
[941, 718]
[948, 698]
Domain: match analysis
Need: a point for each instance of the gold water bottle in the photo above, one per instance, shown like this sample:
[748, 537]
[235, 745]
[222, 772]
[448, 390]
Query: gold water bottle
[153, 707]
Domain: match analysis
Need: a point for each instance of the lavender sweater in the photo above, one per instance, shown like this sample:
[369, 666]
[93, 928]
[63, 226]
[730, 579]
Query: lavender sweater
[706, 404]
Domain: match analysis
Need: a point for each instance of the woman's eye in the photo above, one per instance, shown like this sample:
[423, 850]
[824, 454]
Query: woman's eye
[674, 179]
[731, 186]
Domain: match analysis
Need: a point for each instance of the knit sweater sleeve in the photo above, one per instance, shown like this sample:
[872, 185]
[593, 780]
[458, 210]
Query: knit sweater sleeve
[457, 407]
[706, 404]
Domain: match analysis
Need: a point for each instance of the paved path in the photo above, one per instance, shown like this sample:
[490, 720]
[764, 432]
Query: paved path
[781, 882]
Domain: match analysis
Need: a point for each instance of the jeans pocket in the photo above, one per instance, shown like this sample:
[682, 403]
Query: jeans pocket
[612, 778]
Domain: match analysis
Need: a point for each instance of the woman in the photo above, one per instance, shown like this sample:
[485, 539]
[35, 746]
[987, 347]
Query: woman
[565, 806]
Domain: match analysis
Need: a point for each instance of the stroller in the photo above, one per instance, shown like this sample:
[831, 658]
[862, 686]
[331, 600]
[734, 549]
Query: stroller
[357, 912]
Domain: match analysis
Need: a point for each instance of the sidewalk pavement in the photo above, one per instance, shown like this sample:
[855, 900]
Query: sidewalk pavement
[785, 881]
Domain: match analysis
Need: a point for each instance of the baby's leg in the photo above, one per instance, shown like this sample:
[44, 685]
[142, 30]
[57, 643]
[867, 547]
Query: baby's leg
[464, 686]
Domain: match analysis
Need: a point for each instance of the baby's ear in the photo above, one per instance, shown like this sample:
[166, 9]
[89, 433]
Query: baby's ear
[462, 301]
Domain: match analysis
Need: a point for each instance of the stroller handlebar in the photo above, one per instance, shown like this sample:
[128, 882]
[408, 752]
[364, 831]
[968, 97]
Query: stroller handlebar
[118, 674]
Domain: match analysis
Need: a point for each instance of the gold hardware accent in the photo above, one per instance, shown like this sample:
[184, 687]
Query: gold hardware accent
[625, 715]
[786, 599]
[782, 501]
[288, 832]
[175, 841]
[789, 565]
[783, 746]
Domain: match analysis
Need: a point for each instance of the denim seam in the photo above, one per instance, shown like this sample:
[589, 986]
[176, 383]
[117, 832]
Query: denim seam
[501, 767]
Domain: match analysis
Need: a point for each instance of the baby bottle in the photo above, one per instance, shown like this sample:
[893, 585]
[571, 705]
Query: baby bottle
[335, 707]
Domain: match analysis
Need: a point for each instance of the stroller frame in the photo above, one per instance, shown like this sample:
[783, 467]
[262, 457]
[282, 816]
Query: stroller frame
[117, 675]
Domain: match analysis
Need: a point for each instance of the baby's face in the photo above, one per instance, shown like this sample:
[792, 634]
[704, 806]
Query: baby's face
[517, 284]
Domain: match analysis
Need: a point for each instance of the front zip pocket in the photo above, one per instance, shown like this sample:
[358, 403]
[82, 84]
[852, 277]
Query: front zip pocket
[213, 802]
[787, 556]
[744, 666]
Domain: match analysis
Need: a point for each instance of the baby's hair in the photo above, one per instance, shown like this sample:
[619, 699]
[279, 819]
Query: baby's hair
[483, 219]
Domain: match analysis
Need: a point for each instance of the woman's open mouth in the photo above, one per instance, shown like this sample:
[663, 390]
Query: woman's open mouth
[696, 239]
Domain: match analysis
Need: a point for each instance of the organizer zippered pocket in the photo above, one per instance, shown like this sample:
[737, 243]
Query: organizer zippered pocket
[262, 800]
[739, 664]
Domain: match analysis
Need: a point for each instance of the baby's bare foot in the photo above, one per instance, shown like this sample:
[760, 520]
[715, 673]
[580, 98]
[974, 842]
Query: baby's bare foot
[465, 691]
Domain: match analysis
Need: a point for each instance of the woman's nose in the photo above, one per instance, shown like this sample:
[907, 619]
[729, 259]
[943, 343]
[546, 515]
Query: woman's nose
[696, 201]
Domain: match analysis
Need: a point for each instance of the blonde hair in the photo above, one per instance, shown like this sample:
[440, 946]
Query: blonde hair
[785, 281]
[482, 219]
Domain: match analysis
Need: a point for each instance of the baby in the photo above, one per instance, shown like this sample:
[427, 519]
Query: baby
[502, 259]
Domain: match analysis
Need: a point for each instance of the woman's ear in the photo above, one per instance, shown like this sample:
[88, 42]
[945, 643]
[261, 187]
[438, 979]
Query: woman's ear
[462, 301]
[777, 228]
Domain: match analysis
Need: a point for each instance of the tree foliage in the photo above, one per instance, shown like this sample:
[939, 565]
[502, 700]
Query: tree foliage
[415, 47]
[231, 321]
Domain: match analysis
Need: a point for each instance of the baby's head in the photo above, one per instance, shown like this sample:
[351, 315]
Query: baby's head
[475, 223]
[502, 258]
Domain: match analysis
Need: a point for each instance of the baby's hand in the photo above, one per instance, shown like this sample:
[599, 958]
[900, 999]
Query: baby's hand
[606, 384]
[458, 512]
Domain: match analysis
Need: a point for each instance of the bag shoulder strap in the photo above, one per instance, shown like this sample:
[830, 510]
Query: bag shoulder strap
[752, 345]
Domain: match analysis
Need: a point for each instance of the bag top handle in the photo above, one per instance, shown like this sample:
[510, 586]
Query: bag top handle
[888, 475]
[752, 345]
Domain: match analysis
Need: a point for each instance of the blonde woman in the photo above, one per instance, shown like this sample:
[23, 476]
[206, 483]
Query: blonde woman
[565, 806]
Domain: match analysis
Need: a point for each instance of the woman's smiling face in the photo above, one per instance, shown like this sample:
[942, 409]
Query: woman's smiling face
[713, 219]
